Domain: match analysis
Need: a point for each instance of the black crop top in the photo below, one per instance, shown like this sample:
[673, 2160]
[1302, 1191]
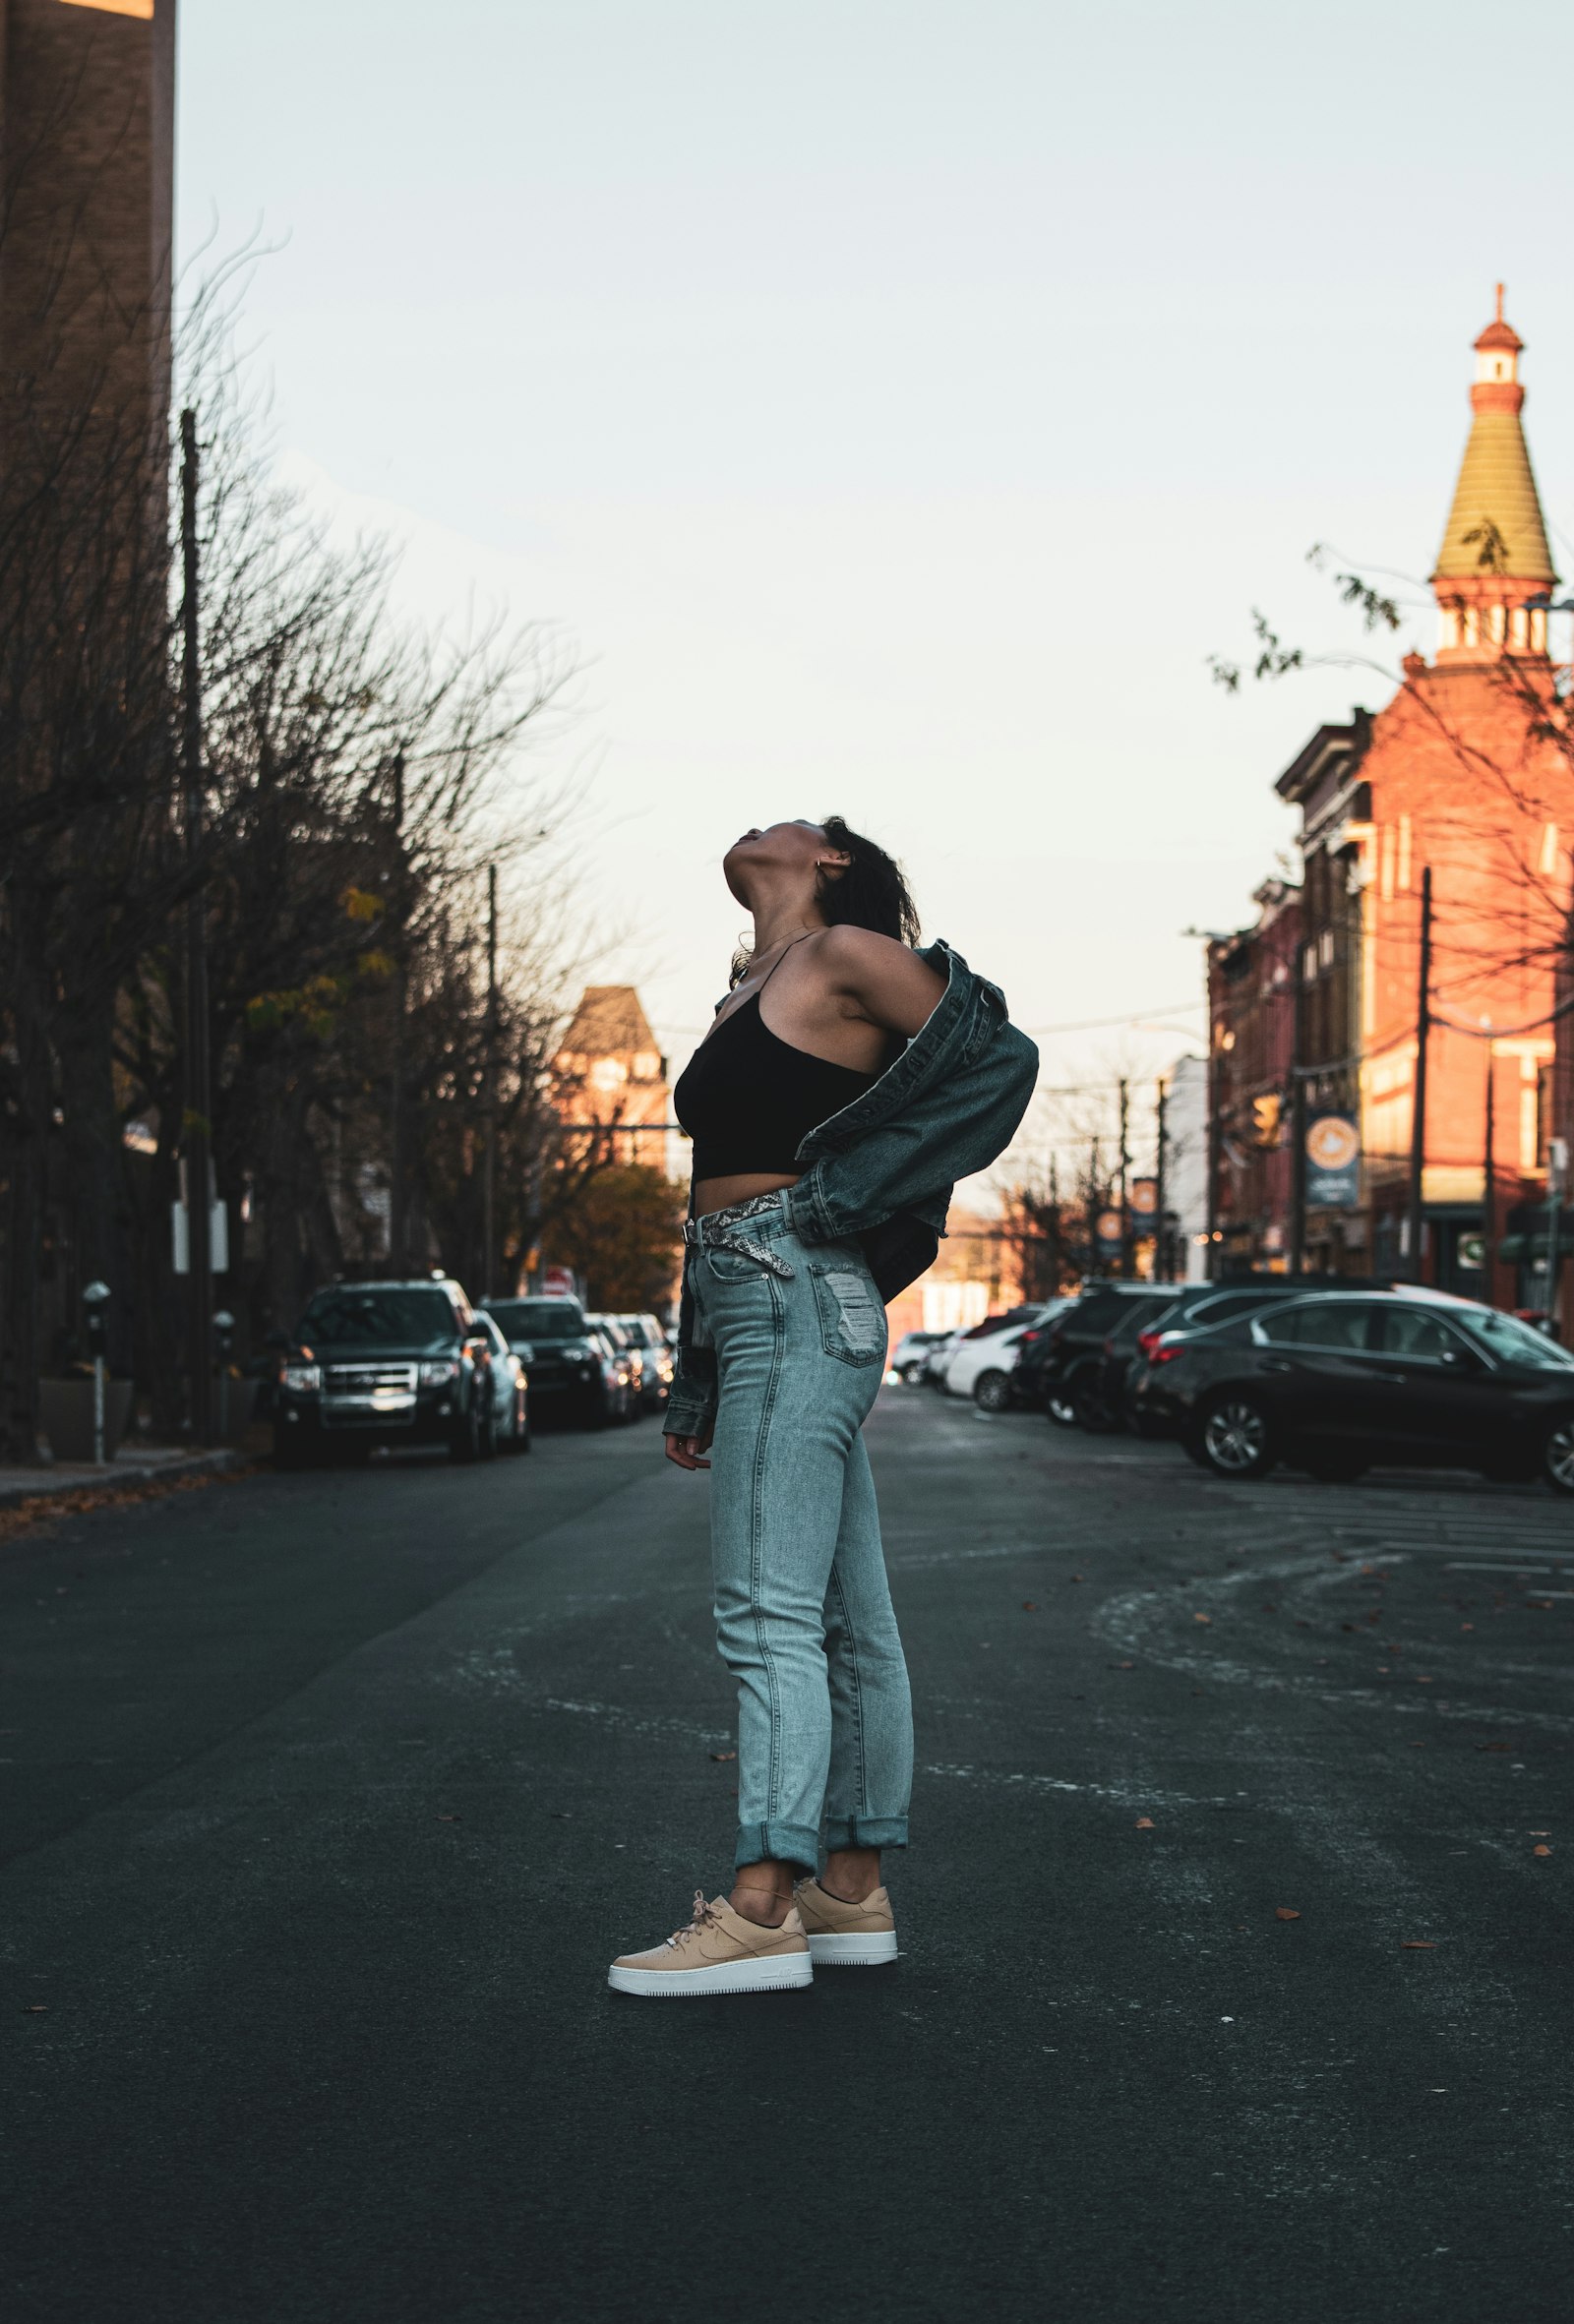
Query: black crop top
[749, 1098]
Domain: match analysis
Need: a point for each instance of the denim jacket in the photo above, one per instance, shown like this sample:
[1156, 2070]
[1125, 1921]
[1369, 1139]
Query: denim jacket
[881, 1172]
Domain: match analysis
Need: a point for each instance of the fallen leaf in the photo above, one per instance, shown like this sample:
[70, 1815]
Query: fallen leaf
[1541, 1849]
[1420, 1681]
[450, 1819]
[1144, 1824]
[724, 1754]
[1285, 1912]
[1417, 1945]
[1467, 1626]
[1122, 1666]
[1028, 1607]
[1202, 1617]
[1076, 1577]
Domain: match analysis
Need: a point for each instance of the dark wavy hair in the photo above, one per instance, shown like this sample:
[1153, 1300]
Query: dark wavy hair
[871, 893]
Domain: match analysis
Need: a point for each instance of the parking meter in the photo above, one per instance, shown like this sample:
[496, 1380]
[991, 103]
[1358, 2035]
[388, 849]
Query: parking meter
[96, 1313]
[224, 1341]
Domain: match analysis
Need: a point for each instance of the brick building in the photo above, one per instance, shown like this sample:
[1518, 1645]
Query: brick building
[1251, 1008]
[610, 1078]
[1468, 773]
[86, 166]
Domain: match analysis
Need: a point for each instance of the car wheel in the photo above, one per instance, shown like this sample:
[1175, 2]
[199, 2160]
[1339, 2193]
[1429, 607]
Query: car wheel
[1061, 1405]
[1558, 1455]
[464, 1437]
[991, 1391]
[1235, 1439]
[912, 1374]
[1094, 1412]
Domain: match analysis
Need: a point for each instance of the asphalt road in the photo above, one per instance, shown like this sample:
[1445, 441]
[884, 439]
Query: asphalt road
[329, 1798]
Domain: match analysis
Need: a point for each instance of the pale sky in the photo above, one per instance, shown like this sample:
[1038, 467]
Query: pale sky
[895, 405]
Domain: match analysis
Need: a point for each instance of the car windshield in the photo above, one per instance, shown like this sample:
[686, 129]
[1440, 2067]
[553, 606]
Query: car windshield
[1512, 1341]
[539, 1319]
[348, 1317]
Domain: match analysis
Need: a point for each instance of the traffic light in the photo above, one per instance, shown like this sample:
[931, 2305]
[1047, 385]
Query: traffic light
[1266, 1118]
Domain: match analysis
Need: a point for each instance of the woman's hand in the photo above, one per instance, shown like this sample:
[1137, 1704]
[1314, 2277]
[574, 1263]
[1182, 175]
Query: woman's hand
[687, 1451]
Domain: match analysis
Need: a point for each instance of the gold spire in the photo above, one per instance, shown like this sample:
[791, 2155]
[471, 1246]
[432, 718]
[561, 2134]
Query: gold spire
[1494, 527]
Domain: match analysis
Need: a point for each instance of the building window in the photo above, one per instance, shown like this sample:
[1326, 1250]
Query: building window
[1325, 948]
[1404, 855]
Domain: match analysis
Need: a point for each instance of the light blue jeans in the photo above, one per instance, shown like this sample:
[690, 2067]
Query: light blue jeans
[803, 1614]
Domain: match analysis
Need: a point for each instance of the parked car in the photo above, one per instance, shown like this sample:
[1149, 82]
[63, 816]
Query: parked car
[911, 1353]
[395, 1363]
[615, 1396]
[657, 1369]
[982, 1367]
[1056, 1367]
[941, 1359]
[1198, 1307]
[1333, 1382]
[511, 1386]
[1097, 1388]
[552, 1339]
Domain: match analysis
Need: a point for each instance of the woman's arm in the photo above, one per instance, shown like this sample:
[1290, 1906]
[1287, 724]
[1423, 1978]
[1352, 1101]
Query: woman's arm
[885, 982]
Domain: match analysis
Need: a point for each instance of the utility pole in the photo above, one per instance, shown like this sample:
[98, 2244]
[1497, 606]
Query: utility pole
[489, 1181]
[398, 1159]
[1423, 1026]
[197, 1127]
[1163, 1264]
[1298, 1121]
[1125, 1163]
[1489, 1188]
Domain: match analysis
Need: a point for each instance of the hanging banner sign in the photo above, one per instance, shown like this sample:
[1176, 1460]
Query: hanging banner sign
[1333, 1163]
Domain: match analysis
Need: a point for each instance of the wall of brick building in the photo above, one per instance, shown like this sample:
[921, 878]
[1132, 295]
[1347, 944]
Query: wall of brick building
[87, 156]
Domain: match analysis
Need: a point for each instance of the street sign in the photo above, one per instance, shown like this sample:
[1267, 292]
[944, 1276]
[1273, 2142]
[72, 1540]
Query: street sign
[1333, 1163]
[1108, 1229]
[556, 1283]
[1144, 1197]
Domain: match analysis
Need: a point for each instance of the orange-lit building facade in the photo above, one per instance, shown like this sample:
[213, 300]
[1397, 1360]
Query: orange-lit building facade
[609, 1078]
[1468, 772]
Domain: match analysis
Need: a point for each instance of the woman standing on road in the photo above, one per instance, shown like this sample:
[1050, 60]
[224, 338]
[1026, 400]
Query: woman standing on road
[847, 1083]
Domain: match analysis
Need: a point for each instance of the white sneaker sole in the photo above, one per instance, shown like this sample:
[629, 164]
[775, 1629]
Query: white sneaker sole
[853, 1952]
[777, 1975]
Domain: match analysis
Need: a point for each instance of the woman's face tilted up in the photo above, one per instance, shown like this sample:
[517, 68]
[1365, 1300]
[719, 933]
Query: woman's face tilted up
[778, 857]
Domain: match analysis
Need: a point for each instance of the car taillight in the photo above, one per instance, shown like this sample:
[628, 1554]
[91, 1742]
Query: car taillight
[1167, 1355]
[1028, 1339]
[1149, 1339]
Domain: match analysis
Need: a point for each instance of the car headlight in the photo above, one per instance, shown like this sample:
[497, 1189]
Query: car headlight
[525, 1352]
[302, 1379]
[437, 1371]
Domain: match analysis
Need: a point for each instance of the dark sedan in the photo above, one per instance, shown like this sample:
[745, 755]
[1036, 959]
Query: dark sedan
[1335, 1383]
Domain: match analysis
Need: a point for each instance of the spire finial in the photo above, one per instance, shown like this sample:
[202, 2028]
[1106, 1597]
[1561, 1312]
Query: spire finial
[1499, 315]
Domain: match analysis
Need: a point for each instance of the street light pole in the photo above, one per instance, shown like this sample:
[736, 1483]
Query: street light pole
[489, 1183]
[1125, 1163]
[197, 1127]
[1417, 1121]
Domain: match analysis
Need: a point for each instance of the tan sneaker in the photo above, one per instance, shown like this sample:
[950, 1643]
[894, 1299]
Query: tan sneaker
[719, 1952]
[846, 1936]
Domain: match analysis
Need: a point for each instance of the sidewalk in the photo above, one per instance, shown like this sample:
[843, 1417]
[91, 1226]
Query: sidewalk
[133, 1465]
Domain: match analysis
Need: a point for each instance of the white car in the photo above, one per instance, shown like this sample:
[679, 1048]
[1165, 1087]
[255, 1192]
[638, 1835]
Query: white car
[981, 1368]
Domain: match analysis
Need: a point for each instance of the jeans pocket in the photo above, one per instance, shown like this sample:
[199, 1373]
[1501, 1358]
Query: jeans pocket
[735, 1267]
[852, 1321]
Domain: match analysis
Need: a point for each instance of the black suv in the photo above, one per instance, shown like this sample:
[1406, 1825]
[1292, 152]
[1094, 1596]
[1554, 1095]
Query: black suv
[399, 1363]
[553, 1338]
[1066, 1356]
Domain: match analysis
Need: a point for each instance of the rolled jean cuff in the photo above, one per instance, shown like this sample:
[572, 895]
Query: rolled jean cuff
[788, 1843]
[865, 1831]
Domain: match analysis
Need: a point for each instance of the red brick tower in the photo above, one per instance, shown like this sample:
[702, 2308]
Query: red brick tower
[86, 175]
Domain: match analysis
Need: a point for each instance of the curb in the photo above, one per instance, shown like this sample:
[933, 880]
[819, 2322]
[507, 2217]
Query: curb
[116, 1476]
